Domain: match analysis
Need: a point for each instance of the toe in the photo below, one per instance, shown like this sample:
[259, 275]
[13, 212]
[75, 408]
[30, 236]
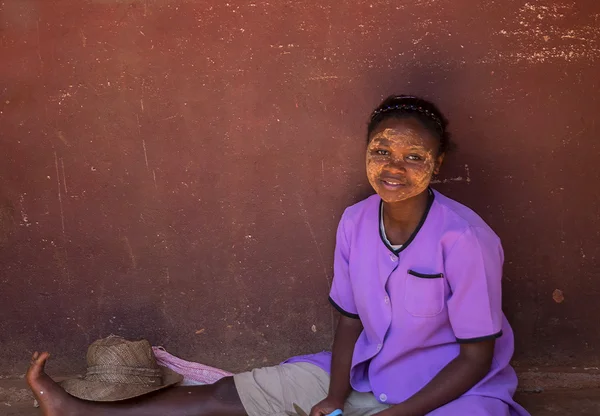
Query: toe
[38, 361]
[42, 358]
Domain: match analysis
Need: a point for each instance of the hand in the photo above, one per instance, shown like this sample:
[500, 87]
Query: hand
[326, 406]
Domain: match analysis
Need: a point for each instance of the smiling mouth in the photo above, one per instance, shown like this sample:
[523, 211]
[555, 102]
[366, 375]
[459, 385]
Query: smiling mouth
[392, 183]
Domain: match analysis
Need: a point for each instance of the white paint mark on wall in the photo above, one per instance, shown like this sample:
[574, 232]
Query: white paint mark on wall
[24, 216]
[466, 178]
[545, 34]
[417, 41]
[83, 38]
[323, 77]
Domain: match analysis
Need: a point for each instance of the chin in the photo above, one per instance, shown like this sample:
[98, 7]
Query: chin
[393, 197]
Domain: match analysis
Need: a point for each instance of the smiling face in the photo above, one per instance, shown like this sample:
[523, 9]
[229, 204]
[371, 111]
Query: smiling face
[402, 156]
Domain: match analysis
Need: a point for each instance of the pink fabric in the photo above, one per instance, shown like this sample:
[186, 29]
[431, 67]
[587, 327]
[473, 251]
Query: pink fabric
[193, 373]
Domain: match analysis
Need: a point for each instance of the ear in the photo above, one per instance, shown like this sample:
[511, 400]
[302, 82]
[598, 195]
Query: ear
[438, 163]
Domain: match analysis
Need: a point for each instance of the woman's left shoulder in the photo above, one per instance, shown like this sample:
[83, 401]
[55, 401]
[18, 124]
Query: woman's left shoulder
[460, 217]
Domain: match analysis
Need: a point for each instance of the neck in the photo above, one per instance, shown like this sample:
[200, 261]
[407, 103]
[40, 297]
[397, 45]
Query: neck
[405, 215]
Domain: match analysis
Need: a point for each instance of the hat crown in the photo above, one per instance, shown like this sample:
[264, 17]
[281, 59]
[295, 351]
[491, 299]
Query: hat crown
[117, 360]
[115, 350]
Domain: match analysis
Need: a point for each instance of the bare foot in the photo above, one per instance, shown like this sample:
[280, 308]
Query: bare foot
[53, 400]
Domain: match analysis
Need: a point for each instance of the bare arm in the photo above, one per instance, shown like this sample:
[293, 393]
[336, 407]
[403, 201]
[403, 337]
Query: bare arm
[346, 334]
[460, 375]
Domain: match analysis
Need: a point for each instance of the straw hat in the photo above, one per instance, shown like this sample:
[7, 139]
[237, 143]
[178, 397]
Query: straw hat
[118, 369]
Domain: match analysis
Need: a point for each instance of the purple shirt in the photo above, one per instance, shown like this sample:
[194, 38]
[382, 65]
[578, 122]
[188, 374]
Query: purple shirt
[418, 303]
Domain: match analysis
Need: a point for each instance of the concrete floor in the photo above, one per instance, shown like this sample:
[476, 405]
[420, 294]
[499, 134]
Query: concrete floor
[16, 400]
[562, 402]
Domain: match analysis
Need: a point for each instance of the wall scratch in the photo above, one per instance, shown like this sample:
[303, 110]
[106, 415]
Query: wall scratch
[60, 203]
[312, 234]
[145, 155]
[62, 138]
[62, 165]
[321, 258]
[39, 47]
[130, 252]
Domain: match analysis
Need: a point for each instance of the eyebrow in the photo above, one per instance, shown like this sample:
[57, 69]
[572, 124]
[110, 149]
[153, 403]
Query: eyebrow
[378, 140]
[387, 142]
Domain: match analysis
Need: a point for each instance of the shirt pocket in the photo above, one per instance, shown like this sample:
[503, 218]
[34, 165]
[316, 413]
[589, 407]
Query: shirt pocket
[424, 294]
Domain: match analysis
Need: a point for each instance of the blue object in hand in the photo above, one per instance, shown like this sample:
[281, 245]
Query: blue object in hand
[336, 412]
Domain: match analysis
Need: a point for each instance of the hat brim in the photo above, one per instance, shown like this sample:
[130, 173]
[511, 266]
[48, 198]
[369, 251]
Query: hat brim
[111, 392]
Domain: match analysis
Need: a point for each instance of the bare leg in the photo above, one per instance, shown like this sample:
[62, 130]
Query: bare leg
[219, 399]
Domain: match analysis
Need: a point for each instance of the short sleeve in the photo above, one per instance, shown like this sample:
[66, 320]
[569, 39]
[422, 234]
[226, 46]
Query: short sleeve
[341, 295]
[474, 272]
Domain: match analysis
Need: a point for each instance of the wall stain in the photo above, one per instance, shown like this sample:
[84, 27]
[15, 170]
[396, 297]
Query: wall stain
[558, 296]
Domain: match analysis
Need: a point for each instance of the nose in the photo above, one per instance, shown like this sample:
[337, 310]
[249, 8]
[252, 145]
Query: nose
[397, 165]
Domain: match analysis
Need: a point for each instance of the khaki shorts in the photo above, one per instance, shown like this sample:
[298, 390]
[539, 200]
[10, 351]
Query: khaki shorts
[271, 391]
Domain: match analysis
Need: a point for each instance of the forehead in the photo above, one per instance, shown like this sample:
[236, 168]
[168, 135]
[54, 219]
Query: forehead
[401, 130]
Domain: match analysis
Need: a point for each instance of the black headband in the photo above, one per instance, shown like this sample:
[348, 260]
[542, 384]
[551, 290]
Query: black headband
[410, 107]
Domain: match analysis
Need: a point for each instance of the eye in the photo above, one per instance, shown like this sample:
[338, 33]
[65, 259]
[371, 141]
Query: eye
[414, 158]
[382, 152]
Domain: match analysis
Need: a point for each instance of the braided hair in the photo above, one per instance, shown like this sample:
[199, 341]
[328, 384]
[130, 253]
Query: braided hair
[405, 106]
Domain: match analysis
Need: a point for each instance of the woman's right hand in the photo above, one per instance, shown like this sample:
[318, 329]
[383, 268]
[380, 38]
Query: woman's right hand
[326, 406]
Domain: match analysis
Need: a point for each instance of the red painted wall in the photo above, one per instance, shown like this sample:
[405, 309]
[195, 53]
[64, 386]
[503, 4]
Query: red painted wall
[175, 169]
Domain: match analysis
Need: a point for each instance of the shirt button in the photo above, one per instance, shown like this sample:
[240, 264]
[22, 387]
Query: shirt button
[382, 397]
[386, 300]
[392, 257]
[379, 346]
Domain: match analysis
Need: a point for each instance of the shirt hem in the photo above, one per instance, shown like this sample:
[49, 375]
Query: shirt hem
[478, 339]
[342, 311]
